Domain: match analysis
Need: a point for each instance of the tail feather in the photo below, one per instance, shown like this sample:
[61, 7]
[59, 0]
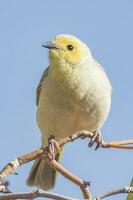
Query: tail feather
[42, 175]
[32, 174]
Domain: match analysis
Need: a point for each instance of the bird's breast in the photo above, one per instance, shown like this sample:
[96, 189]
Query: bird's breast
[65, 110]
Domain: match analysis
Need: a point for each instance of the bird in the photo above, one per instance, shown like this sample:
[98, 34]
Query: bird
[74, 94]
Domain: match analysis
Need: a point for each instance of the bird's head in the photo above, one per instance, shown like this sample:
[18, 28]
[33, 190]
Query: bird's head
[66, 49]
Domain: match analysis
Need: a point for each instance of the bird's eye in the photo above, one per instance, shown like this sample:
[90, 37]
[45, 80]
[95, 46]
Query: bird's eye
[70, 47]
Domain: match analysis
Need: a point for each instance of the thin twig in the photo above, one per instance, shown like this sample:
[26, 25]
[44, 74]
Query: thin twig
[34, 195]
[122, 142]
[114, 192]
[116, 146]
[82, 184]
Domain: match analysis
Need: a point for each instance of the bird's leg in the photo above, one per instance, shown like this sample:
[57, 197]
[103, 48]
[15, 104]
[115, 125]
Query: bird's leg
[53, 147]
[97, 138]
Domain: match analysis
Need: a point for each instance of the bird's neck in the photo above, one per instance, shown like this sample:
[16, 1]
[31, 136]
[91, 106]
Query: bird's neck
[70, 78]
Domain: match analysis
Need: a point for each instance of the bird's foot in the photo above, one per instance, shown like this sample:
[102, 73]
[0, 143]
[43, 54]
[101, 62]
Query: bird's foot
[53, 147]
[96, 138]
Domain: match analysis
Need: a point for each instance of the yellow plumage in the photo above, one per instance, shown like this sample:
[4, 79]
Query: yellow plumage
[74, 94]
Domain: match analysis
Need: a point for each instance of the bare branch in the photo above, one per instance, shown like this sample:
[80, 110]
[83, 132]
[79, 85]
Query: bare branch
[114, 192]
[11, 167]
[82, 184]
[34, 195]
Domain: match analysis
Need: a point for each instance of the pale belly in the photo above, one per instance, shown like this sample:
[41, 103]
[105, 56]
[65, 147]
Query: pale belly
[60, 116]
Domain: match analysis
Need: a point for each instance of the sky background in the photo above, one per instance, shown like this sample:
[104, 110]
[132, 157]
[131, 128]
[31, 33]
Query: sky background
[107, 28]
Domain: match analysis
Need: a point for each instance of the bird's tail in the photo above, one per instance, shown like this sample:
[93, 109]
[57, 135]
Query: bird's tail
[42, 175]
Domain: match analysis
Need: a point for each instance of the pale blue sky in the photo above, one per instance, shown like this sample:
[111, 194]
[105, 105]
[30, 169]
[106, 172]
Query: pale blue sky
[107, 28]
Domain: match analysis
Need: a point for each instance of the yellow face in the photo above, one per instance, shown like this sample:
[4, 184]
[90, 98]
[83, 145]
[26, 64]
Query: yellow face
[70, 50]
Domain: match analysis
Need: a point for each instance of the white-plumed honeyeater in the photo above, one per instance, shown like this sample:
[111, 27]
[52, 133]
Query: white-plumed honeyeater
[74, 93]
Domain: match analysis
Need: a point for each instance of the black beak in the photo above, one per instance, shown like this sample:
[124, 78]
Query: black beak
[50, 45]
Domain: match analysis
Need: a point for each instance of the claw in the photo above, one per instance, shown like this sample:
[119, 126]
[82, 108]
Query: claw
[93, 139]
[100, 142]
[90, 144]
[97, 146]
[53, 147]
[97, 138]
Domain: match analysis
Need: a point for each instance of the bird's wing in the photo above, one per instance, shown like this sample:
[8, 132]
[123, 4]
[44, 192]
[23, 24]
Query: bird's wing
[38, 91]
